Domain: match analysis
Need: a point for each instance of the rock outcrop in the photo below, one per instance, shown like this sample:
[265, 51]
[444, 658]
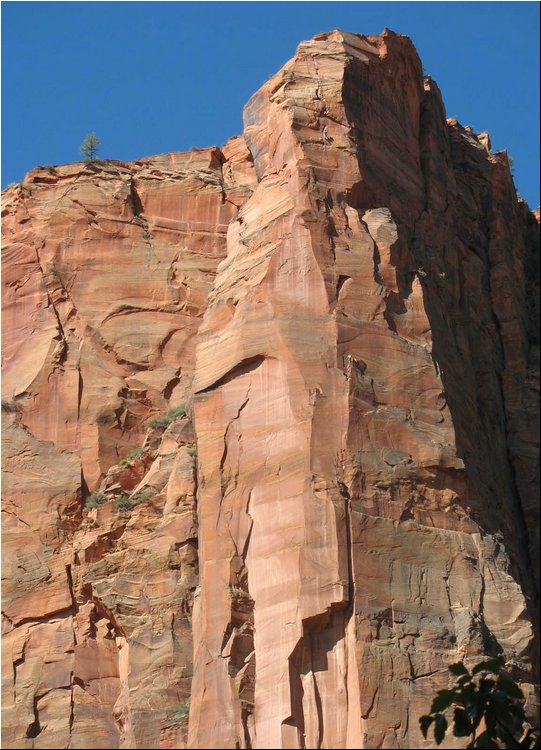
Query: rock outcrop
[337, 314]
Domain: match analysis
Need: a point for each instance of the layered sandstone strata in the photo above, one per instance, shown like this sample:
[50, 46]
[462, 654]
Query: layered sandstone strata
[350, 320]
[106, 271]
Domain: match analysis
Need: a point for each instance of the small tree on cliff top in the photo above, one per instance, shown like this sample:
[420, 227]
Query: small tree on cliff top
[89, 147]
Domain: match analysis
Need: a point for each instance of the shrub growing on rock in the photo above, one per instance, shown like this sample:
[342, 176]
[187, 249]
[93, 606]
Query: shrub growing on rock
[130, 457]
[143, 496]
[167, 419]
[182, 710]
[95, 499]
[124, 502]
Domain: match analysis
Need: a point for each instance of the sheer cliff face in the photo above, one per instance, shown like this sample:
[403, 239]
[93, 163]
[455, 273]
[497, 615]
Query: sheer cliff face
[349, 504]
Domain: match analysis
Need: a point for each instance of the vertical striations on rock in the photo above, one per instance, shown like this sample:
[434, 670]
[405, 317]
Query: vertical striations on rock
[342, 307]
[106, 272]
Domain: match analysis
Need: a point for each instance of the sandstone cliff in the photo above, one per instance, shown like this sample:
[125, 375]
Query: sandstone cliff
[342, 497]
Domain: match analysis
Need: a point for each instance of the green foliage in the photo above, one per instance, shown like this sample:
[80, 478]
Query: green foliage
[95, 499]
[52, 269]
[125, 503]
[178, 412]
[160, 423]
[191, 450]
[167, 419]
[484, 694]
[89, 147]
[143, 496]
[96, 161]
[130, 457]
[182, 710]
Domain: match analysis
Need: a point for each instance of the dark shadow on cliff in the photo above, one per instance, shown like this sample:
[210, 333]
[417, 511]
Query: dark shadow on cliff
[451, 239]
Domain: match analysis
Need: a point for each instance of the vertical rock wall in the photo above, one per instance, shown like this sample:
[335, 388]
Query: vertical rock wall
[106, 274]
[358, 370]
[349, 502]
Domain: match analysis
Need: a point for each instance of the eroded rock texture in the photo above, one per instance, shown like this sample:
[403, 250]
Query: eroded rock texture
[349, 503]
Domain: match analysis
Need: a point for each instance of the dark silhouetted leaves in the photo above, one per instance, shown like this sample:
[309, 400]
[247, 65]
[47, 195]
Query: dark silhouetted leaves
[484, 694]
[458, 669]
[443, 700]
[484, 741]
[425, 722]
[491, 665]
[440, 728]
[462, 724]
[511, 688]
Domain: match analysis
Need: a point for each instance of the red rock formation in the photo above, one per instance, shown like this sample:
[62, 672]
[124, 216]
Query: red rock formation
[349, 316]
[106, 273]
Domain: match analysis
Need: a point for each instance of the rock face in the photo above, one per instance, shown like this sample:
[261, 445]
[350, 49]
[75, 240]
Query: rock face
[340, 309]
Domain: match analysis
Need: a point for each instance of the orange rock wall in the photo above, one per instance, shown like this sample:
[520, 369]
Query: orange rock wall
[106, 274]
[349, 503]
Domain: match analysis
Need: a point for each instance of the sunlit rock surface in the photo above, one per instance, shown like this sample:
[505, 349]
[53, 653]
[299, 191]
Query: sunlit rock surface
[341, 308]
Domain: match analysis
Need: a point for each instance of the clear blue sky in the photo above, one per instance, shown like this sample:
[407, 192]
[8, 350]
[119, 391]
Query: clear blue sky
[152, 77]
